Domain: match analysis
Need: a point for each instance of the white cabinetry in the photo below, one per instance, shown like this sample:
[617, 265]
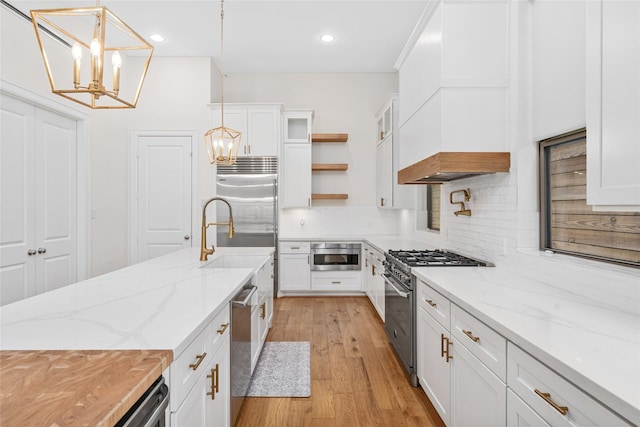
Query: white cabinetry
[38, 242]
[373, 280]
[461, 363]
[336, 281]
[262, 310]
[388, 193]
[455, 70]
[294, 266]
[551, 397]
[259, 124]
[296, 159]
[200, 378]
[296, 175]
[519, 414]
[613, 104]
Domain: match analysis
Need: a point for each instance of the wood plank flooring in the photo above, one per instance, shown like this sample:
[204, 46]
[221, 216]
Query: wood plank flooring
[356, 379]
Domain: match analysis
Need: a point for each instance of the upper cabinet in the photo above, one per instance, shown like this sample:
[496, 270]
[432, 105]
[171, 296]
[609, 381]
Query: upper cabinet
[388, 193]
[297, 126]
[613, 105]
[259, 124]
[454, 81]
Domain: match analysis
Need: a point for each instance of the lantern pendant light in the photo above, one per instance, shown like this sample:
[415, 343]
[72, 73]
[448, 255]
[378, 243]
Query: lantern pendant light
[222, 142]
[87, 37]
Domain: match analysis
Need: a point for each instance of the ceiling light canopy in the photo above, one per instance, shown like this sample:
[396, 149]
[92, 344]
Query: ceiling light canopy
[156, 37]
[90, 38]
[327, 38]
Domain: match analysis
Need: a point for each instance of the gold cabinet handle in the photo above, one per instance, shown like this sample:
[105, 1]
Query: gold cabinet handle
[373, 270]
[223, 328]
[470, 335]
[199, 359]
[547, 398]
[430, 302]
[336, 282]
[263, 310]
[381, 201]
[444, 347]
[214, 382]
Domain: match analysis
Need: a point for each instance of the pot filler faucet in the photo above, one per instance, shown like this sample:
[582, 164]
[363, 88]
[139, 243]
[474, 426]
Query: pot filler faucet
[204, 251]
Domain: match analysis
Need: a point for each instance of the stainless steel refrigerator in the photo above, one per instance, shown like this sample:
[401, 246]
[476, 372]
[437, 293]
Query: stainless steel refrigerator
[251, 187]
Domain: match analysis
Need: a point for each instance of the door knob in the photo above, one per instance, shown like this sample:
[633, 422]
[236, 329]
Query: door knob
[42, 250]
[31, 252]
[187, 237]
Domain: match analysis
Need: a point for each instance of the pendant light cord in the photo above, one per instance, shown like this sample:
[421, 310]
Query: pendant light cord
[222, 63]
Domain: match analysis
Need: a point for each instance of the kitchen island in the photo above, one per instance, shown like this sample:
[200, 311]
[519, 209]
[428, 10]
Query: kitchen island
[161, 304]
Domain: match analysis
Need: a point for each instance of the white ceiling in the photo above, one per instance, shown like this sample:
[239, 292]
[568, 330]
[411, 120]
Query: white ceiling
[270, 36]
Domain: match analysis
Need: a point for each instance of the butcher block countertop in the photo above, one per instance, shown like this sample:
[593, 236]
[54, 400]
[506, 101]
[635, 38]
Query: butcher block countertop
[75, 388]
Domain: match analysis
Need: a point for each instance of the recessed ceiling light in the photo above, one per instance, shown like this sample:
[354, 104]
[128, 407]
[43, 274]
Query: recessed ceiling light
[327, 38]
[156, 37]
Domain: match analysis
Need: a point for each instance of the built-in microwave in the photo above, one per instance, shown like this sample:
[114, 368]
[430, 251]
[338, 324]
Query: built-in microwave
[335, 256]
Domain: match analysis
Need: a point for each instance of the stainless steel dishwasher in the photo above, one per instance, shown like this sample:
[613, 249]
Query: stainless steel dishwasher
[150, 409]
[241, 306]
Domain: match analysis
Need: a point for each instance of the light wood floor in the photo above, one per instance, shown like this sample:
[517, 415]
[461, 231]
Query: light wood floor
[356, 379]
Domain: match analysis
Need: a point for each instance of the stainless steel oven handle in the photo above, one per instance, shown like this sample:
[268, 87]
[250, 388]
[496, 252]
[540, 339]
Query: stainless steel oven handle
[395, 288]
[245, 301]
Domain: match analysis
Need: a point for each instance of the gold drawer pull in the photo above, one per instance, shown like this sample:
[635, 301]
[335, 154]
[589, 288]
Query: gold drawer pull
[223, 328]
[336, 282]
[199, 359]
[430, 302]
[470, 335]
[547, 398]
[263, 310]
[215, 382]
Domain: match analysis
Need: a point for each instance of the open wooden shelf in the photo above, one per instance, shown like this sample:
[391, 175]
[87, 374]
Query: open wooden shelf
[329, 137]
[329, 196]
[329, 166]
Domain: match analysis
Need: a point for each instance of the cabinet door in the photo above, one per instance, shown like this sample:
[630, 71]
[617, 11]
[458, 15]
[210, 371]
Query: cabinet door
[433, 369]
[297, 127]
[378, 288]
[384, 174]
[263, 134]
[295, 273]
[479, 397]
[519, 414]
[219, 381]
[196, 409]
[613, 104]
[296, 176]
[255, 336]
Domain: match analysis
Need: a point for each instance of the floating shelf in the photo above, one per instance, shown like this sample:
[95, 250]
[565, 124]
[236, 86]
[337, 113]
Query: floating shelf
[329, 137]
[329, 166]
[329, 196]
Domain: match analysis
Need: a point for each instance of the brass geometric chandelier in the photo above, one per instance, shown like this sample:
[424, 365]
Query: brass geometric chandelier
[76, 42]
[222, 142]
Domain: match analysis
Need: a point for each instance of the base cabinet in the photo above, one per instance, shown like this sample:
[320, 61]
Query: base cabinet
[519, 414]
[200, 379]
[373, 281]
[478, 397]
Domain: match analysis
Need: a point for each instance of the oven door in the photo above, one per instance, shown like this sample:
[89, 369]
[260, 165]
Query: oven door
[335, 256]
[399, 323]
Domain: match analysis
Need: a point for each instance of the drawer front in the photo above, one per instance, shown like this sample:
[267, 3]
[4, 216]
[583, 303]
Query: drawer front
[336, 282]
[434, 303]
[482, 341]
[220, 327]
[294, 247]
[190, 366]
[549, 395]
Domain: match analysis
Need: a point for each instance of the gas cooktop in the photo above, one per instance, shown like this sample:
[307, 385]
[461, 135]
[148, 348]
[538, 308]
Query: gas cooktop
[435, 258]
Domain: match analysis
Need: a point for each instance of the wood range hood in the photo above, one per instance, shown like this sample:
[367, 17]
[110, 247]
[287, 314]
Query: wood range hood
[448, 166]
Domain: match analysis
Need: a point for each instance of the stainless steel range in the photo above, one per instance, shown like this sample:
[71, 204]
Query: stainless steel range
[400, 304]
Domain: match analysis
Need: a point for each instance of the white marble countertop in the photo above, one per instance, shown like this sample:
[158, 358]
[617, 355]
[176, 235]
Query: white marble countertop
[162, 303]
[589, 343]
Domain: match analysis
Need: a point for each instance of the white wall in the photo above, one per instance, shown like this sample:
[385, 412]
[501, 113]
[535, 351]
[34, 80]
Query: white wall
[342, 103]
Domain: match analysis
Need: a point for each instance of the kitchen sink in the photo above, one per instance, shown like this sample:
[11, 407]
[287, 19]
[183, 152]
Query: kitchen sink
[236, 261]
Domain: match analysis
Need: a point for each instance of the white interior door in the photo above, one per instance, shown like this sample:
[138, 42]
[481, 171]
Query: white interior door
[38, 241]
[56, 200]
[164, 185]
[17, 204]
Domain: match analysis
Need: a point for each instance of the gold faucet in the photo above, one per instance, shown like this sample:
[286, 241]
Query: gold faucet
[467, 196]
[204, 251]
